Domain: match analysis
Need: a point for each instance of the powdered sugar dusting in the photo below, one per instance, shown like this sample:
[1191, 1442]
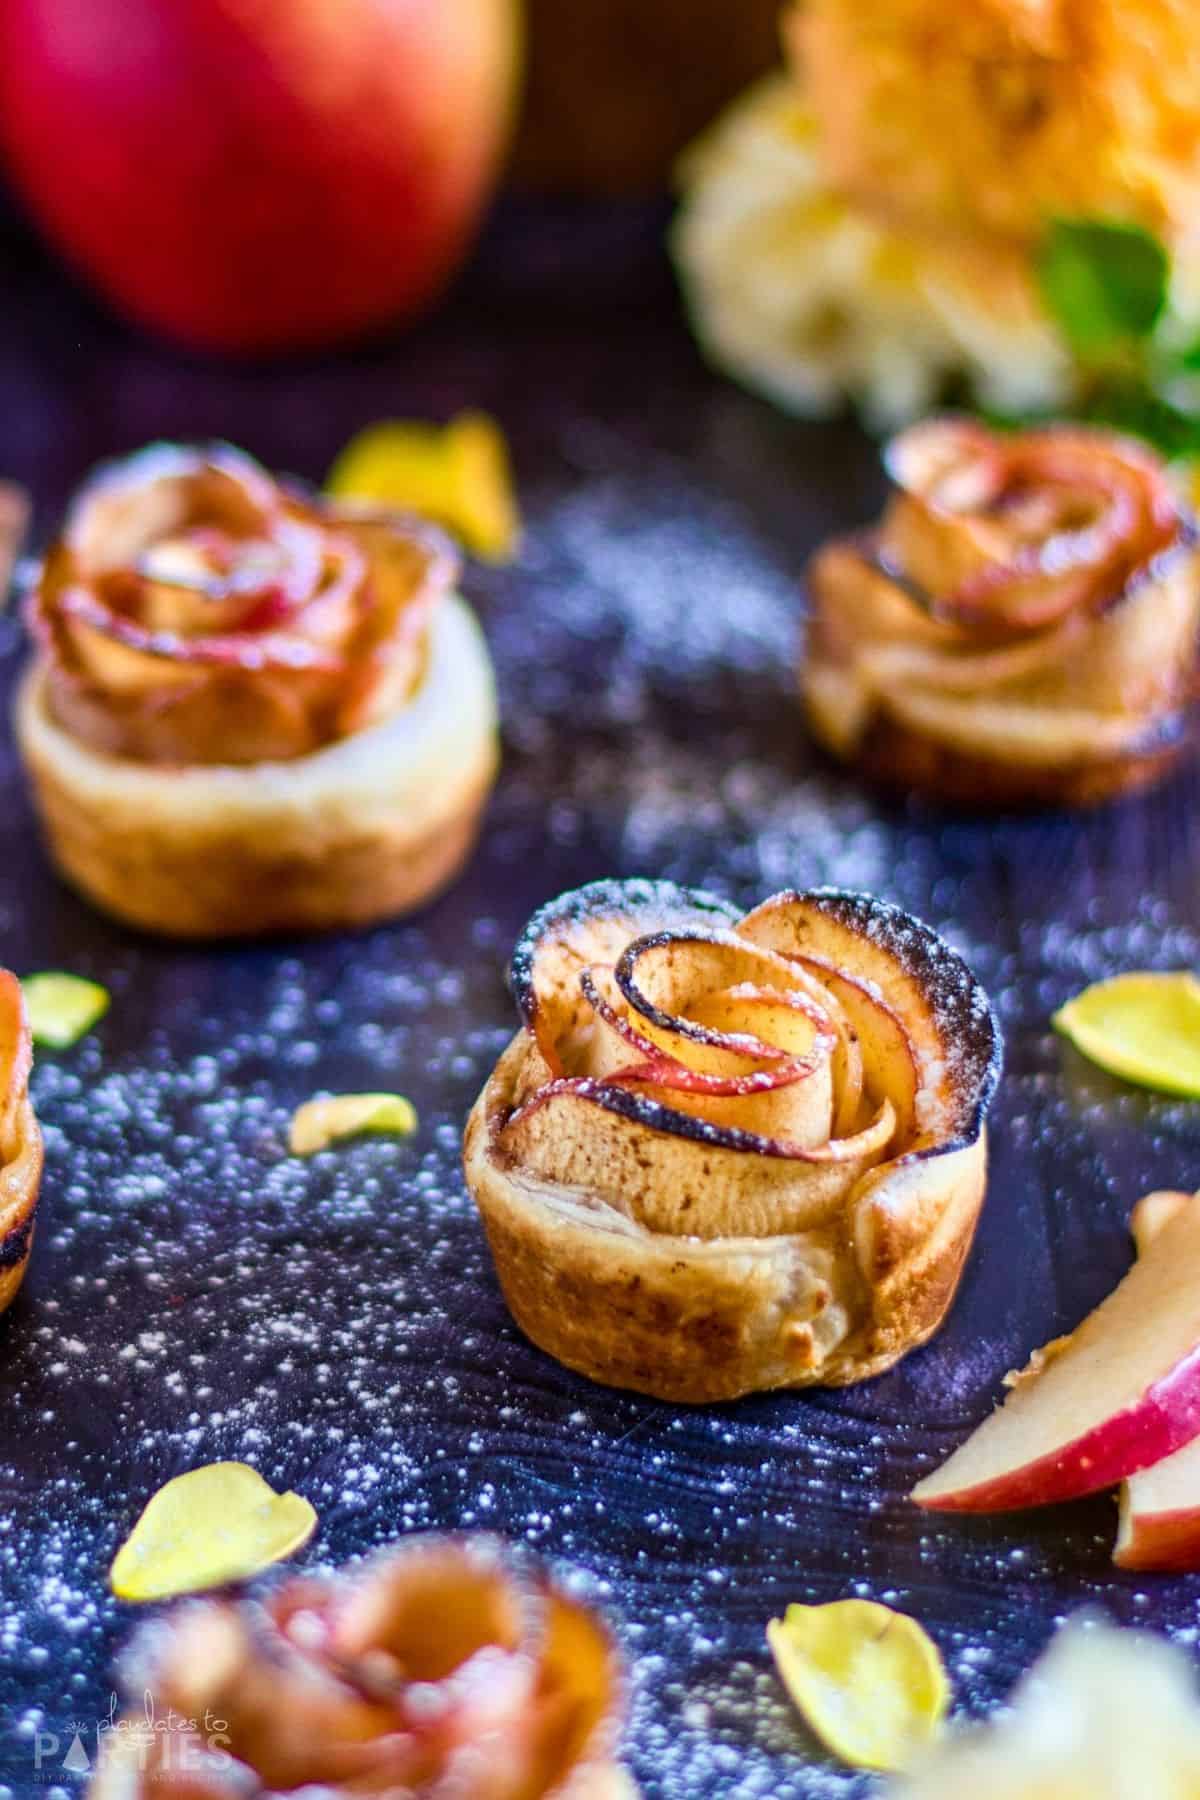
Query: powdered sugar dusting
[195, 1293]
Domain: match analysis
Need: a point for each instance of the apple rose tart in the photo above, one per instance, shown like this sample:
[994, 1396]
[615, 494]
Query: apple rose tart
[1020, 628]
[440, 1667]
[725, 1154]
[20, 1141]
[251, 710]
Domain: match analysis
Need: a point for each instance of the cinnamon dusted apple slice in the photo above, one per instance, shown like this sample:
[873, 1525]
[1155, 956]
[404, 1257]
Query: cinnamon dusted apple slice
[1120, 1394]
[724, 1155]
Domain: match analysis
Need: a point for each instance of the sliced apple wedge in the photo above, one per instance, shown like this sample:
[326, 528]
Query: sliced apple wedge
[1160, 1506]
[1160, 1515]
[1122, 1394]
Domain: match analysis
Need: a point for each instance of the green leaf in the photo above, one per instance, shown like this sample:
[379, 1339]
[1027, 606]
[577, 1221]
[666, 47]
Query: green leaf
[1103, 282]
[1138, 410]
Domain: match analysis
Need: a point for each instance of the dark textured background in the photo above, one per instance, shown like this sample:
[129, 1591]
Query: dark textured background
[195, 1294]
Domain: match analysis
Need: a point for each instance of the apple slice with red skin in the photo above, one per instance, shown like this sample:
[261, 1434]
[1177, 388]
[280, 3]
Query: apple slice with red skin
[1160, 1506]
[1119, 1395]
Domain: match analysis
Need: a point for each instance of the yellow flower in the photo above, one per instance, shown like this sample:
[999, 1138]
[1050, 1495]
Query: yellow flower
[810, 299]
[995, 115]
[1105, 1715]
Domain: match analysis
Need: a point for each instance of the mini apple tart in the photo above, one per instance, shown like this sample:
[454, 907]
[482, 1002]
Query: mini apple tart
[1020, 628]
[252, 709]
[725, 1154]
[20, 1141]
[438, 1667]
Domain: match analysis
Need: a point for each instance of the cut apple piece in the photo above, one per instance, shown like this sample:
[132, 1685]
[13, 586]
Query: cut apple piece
[1160, 1515]
[1160, 1506]
[1123, 1394]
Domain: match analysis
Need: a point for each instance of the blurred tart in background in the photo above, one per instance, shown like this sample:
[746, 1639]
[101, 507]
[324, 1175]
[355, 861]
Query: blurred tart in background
[251, 709]
[438, 1666]
[1020, 627]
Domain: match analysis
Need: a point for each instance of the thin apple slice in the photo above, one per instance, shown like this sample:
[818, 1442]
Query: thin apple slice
[1160, 1506]
[1121, 1395]
[1160, 1515]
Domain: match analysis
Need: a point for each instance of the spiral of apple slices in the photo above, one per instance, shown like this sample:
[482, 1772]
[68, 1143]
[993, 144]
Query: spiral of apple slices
[1021, 625]
[195, 610]
[726, 1154]
[439, 1667]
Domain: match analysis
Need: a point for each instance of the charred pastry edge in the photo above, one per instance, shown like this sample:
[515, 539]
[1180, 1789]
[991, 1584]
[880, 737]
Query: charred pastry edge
[961, 1008]
[540, 1581]
[595, 899]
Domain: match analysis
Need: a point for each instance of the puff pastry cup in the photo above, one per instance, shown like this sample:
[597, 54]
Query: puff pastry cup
[725, 1154]
[251, 710]
[1020, 628]
[20, 1142]
[439, 1667]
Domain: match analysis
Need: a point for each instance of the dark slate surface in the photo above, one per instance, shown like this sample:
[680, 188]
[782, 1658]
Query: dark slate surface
[197, 1295]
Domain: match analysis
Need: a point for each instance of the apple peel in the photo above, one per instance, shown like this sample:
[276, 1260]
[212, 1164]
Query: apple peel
[211, 1526]
[63, 1008]
[1159, 1519]
[458, 474]
[1144, 1027]
[728, 1154]
[1119, 1395]
[328, 1118]
[869, 1681]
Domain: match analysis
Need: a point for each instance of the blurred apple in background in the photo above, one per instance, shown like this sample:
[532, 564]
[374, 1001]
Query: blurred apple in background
[258, 175]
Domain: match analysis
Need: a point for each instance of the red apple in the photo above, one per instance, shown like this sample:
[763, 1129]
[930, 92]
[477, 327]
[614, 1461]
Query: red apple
[263, 176]
[1118, 1395]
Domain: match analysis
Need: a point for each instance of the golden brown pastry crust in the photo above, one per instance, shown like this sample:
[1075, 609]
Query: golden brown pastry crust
[360, 830]
[20, 1142]
[517, 1688]
[1021, 629]
[662, 1222]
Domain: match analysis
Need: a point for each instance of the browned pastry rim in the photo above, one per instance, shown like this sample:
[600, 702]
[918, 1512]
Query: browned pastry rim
[361, 830]
[655, 1246]
[899, 758]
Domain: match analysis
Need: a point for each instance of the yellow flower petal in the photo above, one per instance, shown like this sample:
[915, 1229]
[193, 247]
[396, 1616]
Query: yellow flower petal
[317, 1123]
[458, 475]
[62, 1008]
[1143, 1027]
[216, 1524]
[868, 1680]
